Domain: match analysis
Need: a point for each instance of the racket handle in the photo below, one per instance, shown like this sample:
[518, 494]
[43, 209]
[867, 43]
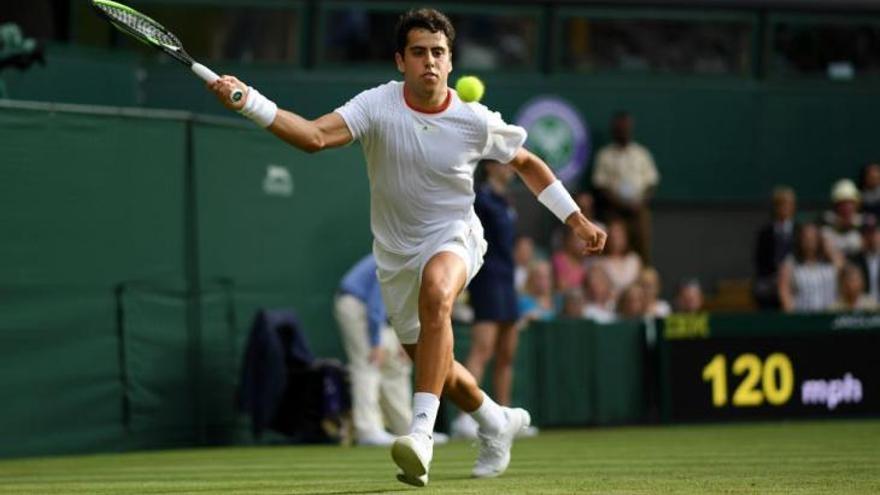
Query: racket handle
[210, 76]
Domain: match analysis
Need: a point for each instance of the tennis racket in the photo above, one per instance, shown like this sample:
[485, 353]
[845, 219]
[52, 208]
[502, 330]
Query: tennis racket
[150, 32]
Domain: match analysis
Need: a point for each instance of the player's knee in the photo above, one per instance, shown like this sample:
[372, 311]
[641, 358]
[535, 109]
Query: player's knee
[435, 301]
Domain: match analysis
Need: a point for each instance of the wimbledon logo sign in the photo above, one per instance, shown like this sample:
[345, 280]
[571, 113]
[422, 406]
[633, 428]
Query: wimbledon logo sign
[558, 134]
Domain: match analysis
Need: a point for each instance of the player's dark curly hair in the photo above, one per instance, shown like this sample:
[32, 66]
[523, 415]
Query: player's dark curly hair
[425, 18]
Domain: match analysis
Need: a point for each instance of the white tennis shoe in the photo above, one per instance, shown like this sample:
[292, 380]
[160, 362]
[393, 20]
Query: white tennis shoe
[413, 453]
[494, 456]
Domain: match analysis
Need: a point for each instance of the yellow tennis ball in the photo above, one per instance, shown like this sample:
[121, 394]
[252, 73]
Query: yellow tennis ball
[469, 88]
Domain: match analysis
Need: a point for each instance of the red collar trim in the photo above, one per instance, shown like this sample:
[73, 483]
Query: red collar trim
[439, 109]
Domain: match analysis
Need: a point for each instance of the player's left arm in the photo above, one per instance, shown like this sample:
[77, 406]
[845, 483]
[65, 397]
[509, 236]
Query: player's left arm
[540, 180]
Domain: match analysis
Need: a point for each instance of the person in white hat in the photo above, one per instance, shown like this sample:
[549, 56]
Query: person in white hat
[843, 222]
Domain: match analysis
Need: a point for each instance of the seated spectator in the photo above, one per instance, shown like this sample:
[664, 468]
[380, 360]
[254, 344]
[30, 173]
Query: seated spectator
[632, 303]
[851, 291]
[774, 243]
[870, 185]
[689, 297]
[649, 279]
[523, 254]
[843, 222]
[537, 303]
[868, 260]
[808, 277]
[572, 304]
[620, 262]
[568, 262]
[599, 305]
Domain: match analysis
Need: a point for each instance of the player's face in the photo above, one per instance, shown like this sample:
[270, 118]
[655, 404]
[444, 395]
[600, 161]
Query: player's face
[426, 61]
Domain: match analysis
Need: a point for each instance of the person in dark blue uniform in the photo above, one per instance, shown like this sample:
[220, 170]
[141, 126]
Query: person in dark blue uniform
[492, 293]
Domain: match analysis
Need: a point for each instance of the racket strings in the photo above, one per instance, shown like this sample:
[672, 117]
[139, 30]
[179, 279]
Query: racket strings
[145, 27]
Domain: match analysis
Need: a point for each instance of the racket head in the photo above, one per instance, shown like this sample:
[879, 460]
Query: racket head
[142, 28]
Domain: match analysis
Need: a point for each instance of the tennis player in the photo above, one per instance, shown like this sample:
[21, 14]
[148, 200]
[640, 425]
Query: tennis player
[421, 144]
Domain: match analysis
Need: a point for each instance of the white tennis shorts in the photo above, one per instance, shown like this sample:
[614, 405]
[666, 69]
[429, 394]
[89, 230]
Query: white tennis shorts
[400, 276]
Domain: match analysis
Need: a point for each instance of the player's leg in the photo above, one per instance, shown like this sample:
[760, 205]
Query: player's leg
[498, 426]
[351, 315]
[505, 352]
[443, 277]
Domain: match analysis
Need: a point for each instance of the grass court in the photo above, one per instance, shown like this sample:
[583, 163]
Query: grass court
[793, 457]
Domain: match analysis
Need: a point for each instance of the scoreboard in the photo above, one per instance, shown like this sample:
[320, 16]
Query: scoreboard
[720, 367]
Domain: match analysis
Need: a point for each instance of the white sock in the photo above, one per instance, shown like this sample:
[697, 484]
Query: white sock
[490, 416]
[425, 406]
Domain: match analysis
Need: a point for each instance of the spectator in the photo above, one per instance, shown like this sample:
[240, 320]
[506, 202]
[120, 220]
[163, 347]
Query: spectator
[851, 291]
[620, 262]
[523, 254]
[536, 303]
[774, 244]
[599, 305]
[494, 333]
[689, 297]
[568, 262]
[625, 177]
[649, 279]
[572, 304]
[378, 367]
[843, 222]
[868, 260]
[632, 303]
[870, 185]
[808, 277]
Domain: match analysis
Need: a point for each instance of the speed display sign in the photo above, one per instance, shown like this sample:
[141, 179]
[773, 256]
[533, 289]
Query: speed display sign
[736, 367]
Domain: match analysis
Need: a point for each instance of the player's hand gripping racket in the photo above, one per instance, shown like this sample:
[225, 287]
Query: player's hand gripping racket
[146, 30]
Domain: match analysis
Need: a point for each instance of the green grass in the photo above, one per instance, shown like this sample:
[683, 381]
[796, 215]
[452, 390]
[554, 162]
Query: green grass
[802, 457]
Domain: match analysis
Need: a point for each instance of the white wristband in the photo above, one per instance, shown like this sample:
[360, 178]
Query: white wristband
[258, 108]
[557, 200]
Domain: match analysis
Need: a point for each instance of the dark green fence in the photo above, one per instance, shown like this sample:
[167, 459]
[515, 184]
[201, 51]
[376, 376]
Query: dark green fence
[575, 372]
[136, 248]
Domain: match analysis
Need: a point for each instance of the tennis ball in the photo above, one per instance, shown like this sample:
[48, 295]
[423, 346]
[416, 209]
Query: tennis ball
[469, 88]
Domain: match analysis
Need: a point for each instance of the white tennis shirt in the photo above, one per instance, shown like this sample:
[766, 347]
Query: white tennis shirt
[420, 165]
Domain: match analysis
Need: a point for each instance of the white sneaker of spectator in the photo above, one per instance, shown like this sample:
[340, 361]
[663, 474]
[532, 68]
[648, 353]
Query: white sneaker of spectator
[379, 438]
[464, 426]
[528, 432]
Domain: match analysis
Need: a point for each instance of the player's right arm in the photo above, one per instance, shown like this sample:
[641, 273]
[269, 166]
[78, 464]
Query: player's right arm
[328, 131]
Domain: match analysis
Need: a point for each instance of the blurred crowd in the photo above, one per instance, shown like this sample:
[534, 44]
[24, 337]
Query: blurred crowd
[618, 285]
[816, 261]
[559, 281]
[830, 261]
